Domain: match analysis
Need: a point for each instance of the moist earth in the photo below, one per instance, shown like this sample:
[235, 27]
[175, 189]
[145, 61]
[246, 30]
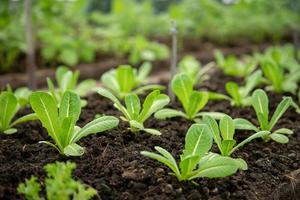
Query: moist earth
[113, 165]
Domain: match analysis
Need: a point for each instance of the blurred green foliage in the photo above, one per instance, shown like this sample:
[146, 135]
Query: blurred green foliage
[70, 32]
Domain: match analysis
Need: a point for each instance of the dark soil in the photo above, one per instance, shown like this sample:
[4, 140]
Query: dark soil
[113, 165]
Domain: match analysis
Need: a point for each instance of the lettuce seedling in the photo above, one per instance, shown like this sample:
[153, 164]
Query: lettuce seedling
[223, 134]
[134, 113]
[192, 67]
[259, 102]
[58, 185]
[279, 79]
[22, 94]
[9, 106]
[192, 101]
[67, 80]
[126, 80]
[195, 161]
[61, 122]
[232, 66]
[239, 96]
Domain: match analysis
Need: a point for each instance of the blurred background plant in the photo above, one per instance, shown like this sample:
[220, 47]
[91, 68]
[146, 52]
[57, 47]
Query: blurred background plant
[73, 32]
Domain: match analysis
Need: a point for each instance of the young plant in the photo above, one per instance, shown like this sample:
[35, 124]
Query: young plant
[133, 113]
[61, 122]
[67, 80]
[279, 79]
[192, 101]
[9, 106]
[240, 95]
[259, 102]
[223, 134]
[126, 80]
[59, 185]
[195, 161]
[232, 66]
[22, 94]
[192, 67]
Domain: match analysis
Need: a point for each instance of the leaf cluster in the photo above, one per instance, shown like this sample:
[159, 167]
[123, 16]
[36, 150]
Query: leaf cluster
[260, 103]
[126, 80]
[9, 106]
[191, 100]
[134, 113]
[223, 133]
[60, 122]
[232, 66]
[68, 80]
[240, 95]
[59, 185]
[195, 161]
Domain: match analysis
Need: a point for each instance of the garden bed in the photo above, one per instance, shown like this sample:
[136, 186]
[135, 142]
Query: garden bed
[113, 165]
[202, 51]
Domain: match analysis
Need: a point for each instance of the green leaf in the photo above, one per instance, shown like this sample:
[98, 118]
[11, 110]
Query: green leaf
[241, 164]
[52, 90]
[190, 66]
[133, 105]
[251, 82]
[284, 131]
[234, 91]
[280, 110]
[84, 87]
[274, 73]
[73, 150]
[217, 96]
[70, 106]
[109, 80]
[214, 130]
[136, 124]
[144, 71]
[126, 78]
[168, 113]
[227, 128]
[26, 118]
[165, 158]
[98, 125]
[46, 109]
[143, 89]
[260, 134]
[187, 165]
[196, 102]
[243, 124]
[8, 109]
[280, 138]
[31, 189]
[153, 102]
[182, 86]
[152, 131]
[227, 146]
[22, 94]
[215, 115]
[10, 131]
[216, 167]
[60, 73]
[117, 103]
[198, 141]
[260, 103]
[66, 82]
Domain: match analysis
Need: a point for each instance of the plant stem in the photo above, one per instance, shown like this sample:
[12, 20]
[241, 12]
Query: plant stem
[173, 58]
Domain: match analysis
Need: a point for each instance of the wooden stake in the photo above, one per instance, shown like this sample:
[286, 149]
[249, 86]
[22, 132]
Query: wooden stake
[30, 51]
[173, 61]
